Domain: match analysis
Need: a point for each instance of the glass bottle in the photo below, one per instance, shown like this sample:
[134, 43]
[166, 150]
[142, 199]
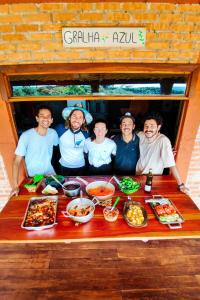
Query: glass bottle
[149, 179]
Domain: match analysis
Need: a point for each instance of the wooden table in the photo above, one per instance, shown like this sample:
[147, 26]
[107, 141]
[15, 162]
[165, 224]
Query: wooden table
[97, 229]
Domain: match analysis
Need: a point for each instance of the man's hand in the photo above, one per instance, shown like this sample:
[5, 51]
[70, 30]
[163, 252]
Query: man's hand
[14, 191]
[16, 164]
[174, 152]
[184, 189]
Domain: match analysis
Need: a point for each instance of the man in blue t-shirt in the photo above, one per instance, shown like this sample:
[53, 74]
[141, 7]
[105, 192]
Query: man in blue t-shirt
[127, 142]
[36, 146]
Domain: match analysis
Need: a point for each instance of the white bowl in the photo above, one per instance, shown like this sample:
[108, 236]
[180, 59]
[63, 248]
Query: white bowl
[102, 184]
[80, 202]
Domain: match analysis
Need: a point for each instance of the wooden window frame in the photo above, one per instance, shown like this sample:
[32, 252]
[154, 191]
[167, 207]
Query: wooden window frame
[30, 69]
[76, 1]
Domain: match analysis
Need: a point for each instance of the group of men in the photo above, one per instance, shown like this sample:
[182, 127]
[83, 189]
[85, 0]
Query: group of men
[136, 153]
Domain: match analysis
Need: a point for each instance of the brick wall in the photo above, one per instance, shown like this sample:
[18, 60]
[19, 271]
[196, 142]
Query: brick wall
[31, 33]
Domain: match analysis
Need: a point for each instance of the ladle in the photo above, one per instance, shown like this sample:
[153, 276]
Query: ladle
[116, 179]
[58, 181]
[107, 182]
[82, 180]
[111, 178]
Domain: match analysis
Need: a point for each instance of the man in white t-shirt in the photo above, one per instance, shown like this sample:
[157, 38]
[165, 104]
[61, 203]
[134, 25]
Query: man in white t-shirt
[156, 151]
[72, 136]
[36, 146]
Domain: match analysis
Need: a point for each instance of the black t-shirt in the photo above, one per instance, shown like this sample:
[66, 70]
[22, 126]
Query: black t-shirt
[127, 155]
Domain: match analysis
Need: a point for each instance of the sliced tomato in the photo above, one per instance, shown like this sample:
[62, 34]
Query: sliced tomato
[160, 210]
[170, 210]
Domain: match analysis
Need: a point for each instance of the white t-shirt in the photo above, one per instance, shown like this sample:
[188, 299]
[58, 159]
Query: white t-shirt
[71, 149]
[100, 154]
[155, 155]
[38, 150]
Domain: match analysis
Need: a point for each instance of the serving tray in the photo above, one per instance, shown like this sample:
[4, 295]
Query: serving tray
[128, 207]
[40, 213]
[166, 212]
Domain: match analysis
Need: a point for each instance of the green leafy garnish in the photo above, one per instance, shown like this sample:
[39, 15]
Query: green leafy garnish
[128, 185]
[37, 178]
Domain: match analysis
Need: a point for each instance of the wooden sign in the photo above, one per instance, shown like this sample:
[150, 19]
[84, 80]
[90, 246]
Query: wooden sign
[78, 37]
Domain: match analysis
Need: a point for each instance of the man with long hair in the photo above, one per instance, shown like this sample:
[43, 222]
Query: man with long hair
[72, 139]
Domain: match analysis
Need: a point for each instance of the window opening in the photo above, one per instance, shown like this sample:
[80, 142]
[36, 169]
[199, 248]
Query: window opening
[111, 110]
[98, 84]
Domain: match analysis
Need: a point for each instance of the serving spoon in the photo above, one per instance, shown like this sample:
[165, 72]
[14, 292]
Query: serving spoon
[58, 181]
[116, 201]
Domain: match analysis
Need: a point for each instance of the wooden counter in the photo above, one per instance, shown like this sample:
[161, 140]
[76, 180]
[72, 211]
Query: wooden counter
[98, 229]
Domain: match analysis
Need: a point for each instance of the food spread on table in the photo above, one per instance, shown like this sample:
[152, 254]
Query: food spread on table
[41, 211]
[128, 185]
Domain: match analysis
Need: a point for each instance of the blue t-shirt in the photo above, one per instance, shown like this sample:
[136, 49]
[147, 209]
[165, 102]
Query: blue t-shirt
[71, 147]
[37, 150]
[127, 155]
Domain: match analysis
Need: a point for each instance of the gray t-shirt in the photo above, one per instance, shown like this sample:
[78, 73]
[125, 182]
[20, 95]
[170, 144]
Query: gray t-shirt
[37, 150]
[155, 155]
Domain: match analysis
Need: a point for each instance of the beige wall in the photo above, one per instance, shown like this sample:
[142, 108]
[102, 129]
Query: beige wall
[31, 33]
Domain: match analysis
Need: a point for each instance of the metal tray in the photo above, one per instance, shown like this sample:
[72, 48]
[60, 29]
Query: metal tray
[159, 200]
[127, 206]
[35, 204]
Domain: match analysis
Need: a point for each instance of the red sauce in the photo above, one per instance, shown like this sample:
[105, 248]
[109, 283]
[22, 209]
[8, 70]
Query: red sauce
[100, 191]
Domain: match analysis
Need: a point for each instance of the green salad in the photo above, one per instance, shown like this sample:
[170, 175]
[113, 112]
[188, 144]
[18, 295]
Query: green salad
[128, 185]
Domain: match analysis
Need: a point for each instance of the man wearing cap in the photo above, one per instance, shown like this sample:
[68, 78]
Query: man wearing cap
[127, 147]
[72, 139]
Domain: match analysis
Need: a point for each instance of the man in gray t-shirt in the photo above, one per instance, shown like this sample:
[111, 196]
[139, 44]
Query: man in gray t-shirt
[156, 151]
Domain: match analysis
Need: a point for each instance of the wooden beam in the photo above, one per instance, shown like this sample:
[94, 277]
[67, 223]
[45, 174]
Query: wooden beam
[96, 97]
[97, 1]
[92, 68]
[8, 136]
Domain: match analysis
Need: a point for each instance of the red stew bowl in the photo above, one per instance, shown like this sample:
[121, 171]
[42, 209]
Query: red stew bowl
[102, 190]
